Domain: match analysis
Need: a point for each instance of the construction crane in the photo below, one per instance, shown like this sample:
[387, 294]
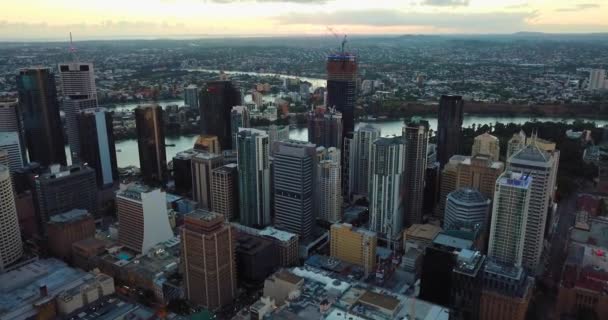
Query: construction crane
[337, 36]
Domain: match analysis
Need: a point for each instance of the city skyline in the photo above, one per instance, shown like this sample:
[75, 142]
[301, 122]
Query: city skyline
[42, 20]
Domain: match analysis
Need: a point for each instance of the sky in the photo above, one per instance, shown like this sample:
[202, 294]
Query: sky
[94, 19]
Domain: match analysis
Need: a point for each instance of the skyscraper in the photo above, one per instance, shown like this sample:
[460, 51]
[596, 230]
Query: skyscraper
[207, 143]
[386, 182]
[542, 167]
[416, 136]
[360, 157]
[254, 177]
[72, 106]
[191, 96]
[203, 164]
[41, 120]
[276, 133]
[11, 247]
[449, 126]
[151, 144]
[516, 143]
[11, 121]
[97, 148]
[182, 171]
[342, 87]
[216, 101]
[466, 207]
[488, 145]
[208, 258]
[10, 142]
[142, 215]
[325, 127]
[329, 184]
[225, 191]
[61, 189]
[509, 218]
[354, 245]
[293, 182]
[239, 118]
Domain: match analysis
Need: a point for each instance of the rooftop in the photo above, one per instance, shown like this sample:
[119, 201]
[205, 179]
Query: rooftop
[597, 234]
[468, 196]
[287, 276]
[203, 215]
[70, 216]
[277, 234]
[452, 242]
[469, 262]
[380, 300]
[515, 179]
[387, 141]
[422, 231]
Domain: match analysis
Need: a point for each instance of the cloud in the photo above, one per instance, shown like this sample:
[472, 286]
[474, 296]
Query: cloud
[465, 22]
[446, 3]
[579, 7]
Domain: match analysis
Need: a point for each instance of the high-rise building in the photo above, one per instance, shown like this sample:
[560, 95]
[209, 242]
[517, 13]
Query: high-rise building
[329, 184]
[479, 172]
[449, 126]
[191, 96]
[597, 80]
[293, 186]
[509, 218]
[416, 136]
[208, 143]
[151, 144]
[11, 121]
[386, 183]
[61, 189]
[225, 191]
[203, 164]
[360, 158]
[342, 87]
[11, 247]
[10, 142]
[506, 292]
[72, 106]
[467, 282]
[487, 145]
[239, 118]
[67, 228]
[41, 120]
[254, 177]
[97, 148]
[142, 216]
[516, 143]
[466, 207]
[325, 127]
[535, 162]
[182, 171]
[276, 133]
[208, 258]
[216, 101]
[354, 245]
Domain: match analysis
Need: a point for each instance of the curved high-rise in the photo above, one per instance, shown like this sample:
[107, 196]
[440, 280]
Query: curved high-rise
[465, 206]
[11, 248]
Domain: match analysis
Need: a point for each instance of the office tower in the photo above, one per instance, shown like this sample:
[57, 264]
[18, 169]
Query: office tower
[41, 120]
[516, 143]
[182, 171]
[386, 183]
[342, 87]
[466, 207]
[487, 145]
[67, 228]
[325, 127]
[225, 191]
[354, 245]
[203, 164]
[329, 185]
[11, 121]
[72, 107]
[416, 136]
[346, 164]
[97, 148]
[479, 172]
[254, 177]
[509, 218]
[360, 158]
[506, 292]
[542, 167]
[142, 216]
[10, 142]
[216, 101]
[151, 144]
[293, 186]
[449, 126]
[11, 247]
[256, 258]
[467, 282]
[239, 118]
[208, 258]
[207, 143]
[597, 79]
[191, 96]
[276, 133]
[61, 189]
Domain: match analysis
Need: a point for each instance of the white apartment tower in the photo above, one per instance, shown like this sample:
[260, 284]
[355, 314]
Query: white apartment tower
[329, 177]
[10, 142]
[11, 247]
[360, 158]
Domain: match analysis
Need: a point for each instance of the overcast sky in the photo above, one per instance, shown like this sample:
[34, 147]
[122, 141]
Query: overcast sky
[88, 19]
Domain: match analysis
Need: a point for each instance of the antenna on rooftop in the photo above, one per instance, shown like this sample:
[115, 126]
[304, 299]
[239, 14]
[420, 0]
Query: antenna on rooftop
[72, 48]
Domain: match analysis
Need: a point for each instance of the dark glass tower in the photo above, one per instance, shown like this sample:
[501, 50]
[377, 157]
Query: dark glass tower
[97, 149]
[342, 87]
[325, 127]
[151, 144]
[41, 120]
[216, 101]
[449, 126]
